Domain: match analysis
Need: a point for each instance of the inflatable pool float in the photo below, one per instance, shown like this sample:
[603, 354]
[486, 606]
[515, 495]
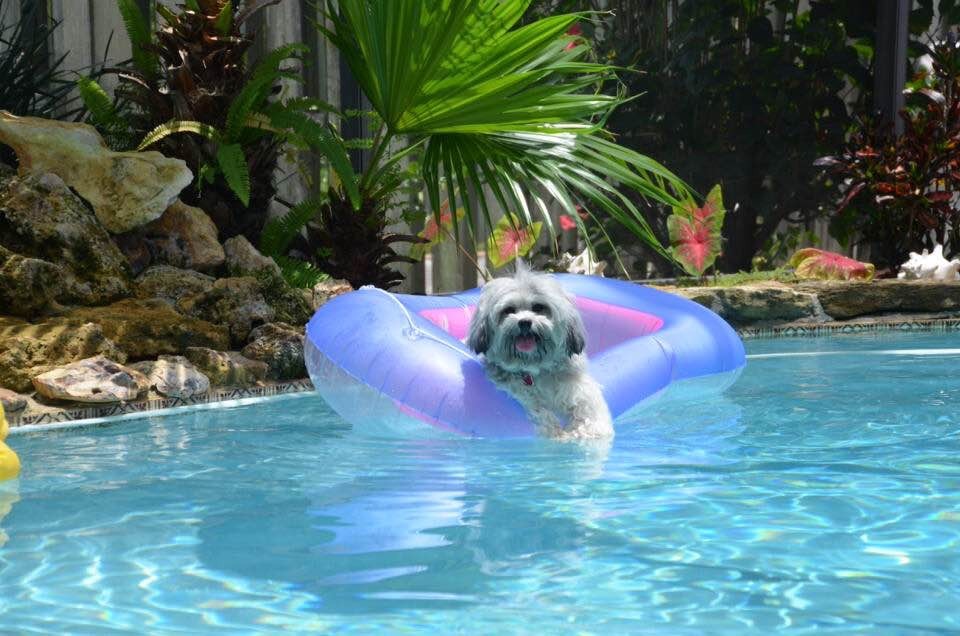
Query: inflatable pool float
[374, 355]
[9, 462]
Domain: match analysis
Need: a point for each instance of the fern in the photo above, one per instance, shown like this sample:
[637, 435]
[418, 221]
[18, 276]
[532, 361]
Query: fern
[138, 30]
[299, 274]
[224, 22]
[193, 6]
[179, 126]
[323, 139]
[235, 170]
[103, 114]
[280, 232]
[257, 89]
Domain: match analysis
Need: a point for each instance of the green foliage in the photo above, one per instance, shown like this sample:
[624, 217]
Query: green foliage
[31, 84]
[439, 74]
[900, 193]
[741, 92]
[190, 76]
[138, 31]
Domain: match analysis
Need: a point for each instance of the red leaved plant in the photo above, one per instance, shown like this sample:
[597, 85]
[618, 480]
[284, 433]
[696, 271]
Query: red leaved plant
[813, 263]
[695, 232]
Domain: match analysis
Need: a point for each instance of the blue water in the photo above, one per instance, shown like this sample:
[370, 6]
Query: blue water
[820, 494]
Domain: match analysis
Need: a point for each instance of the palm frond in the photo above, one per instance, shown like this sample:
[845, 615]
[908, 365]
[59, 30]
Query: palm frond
[510, 110]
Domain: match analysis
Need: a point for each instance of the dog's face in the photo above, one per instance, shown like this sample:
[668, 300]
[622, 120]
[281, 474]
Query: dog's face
[526, 323]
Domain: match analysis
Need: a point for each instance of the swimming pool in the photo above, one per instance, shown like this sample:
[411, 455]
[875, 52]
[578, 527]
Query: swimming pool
[821, 493]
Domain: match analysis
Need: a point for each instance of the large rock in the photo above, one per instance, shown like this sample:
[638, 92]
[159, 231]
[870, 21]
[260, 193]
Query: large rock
[27, 350]
[149, 328]
[848, 299]
[280, 346]
[326, 290]
[125, 189]
[243, 259]
[237, 303]
[173, 376]
[756, 303]
[95, 380]
[10, 401]
[29, 286]
[171, 284]
[42, 220]
[184, 237]
[227, 368]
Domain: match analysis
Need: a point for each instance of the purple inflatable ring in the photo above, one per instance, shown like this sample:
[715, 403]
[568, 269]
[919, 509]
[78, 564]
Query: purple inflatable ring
[374, 355]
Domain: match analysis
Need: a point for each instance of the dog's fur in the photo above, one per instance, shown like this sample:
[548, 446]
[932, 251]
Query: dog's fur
[550, 380]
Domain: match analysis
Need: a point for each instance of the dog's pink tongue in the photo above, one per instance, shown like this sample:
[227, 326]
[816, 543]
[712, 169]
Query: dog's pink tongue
[526, 343]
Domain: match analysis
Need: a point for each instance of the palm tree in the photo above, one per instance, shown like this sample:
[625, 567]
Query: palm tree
[487, 105]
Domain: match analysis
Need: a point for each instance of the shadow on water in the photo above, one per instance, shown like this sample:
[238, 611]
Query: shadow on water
[393, 524]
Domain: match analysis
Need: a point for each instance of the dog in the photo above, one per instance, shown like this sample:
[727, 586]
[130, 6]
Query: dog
[531, 338]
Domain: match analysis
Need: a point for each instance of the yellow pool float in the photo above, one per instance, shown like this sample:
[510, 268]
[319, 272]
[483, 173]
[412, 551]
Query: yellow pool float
[9, 462]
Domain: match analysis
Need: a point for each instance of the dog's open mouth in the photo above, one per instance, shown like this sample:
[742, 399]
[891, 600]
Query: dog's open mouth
[525, 343]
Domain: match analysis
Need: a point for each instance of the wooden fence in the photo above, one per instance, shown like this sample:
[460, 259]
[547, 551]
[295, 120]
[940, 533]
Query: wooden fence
[91, 32]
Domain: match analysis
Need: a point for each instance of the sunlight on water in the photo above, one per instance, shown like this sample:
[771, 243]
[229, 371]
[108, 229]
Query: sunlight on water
[819, 494]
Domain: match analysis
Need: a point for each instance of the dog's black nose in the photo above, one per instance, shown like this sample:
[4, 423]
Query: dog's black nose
[524, 324]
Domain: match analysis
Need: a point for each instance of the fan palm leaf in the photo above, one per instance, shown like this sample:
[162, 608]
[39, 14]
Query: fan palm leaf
[513, 109]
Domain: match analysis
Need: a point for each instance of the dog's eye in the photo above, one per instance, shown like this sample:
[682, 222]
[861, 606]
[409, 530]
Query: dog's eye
[540, 308]
[506, 311]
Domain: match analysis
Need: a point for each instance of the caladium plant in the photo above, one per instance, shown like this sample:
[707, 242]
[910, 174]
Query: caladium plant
[814, 263]
[695, 232]
[436, 229]
[510, 239]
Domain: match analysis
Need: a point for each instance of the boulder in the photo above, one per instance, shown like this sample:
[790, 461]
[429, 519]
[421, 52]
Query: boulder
[170, 284]
[227, 368]
[327, 289]
[184, 237]
[288, 303]
[145, 329]
[28, 350]
[237, 303]
[756, 303]
[11, 401]
[280, 346]
[42, 220]
[848, 299]
[29, 286]
[173, 376]
[243, 259]
[96, 380]
[125, 189]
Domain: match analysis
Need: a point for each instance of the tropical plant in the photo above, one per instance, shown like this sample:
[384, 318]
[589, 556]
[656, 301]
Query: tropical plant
[820, 264]
[741, 92]
[900, 194]
[33, 83]
[695, 232]
[489, 107]
[190, 76]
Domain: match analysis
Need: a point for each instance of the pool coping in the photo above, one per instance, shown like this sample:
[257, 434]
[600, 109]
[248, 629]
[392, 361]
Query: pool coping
[82, 416]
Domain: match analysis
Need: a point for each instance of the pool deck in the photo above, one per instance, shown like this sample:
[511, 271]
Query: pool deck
[37, 414]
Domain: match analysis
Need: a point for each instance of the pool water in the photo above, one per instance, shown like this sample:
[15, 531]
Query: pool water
[820, 494]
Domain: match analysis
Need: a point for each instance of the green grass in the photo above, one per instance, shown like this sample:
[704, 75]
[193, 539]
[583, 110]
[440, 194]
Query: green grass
[781, 275]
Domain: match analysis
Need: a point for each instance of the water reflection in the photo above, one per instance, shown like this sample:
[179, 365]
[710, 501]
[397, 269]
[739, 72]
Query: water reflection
[9, 495]
[445, 521]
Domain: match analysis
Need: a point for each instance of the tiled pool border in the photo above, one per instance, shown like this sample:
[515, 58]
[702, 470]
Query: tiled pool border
[84, 414]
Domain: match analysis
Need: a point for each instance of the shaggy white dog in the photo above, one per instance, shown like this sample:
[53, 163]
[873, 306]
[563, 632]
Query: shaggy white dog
[532, 340]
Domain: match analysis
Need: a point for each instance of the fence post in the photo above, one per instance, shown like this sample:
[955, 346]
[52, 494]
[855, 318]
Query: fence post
[891, 59]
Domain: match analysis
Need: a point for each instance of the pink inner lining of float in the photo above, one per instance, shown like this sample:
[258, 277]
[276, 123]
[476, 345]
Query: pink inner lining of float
[607, 325]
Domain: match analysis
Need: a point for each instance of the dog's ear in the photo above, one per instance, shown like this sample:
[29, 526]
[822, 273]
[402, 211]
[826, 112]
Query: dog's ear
[479, 337]
[576, 340]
